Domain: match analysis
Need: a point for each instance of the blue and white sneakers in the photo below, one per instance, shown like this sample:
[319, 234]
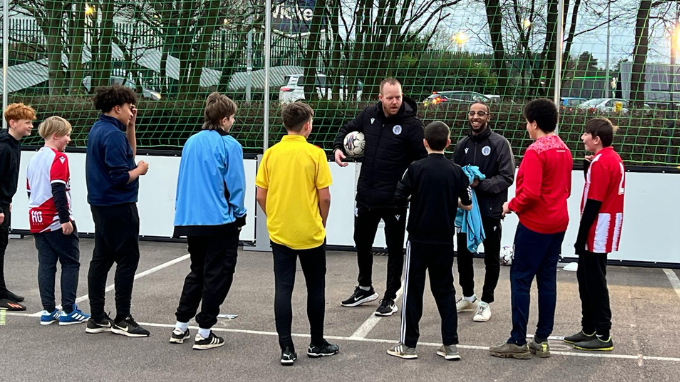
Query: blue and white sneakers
[47, 318]
[75, 317]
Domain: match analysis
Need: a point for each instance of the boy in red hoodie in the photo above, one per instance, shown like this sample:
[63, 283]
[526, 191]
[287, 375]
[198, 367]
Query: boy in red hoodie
[540, 202]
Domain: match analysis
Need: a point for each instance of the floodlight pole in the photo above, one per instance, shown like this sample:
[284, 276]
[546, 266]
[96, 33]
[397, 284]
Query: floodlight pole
[249, 58]
[267, 63]
[606, 82]
[5, 55]
[558, 56]
[262, 242]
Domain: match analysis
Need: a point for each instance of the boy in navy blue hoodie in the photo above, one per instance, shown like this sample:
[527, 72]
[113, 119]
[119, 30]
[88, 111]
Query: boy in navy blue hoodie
[209, 211]
[112, 186]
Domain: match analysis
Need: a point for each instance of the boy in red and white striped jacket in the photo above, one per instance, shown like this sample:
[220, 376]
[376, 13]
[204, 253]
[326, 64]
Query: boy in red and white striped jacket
[599, 233]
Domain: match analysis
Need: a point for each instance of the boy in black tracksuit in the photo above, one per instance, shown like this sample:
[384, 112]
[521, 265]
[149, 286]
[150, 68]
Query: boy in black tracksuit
[436, 187]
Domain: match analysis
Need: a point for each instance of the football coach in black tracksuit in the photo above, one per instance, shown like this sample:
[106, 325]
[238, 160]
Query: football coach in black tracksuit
[394, 139]
[491, 152]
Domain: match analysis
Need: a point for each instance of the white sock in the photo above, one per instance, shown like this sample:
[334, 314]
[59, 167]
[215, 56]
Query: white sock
[482, 303]
[365, 288]
[471, 299]
[183, 326]
[205, 333]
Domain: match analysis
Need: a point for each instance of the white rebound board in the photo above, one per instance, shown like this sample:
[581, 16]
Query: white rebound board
[650, 227]
[156, 202]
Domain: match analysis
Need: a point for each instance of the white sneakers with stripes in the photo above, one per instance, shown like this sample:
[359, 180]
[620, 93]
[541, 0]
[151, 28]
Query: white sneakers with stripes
[212, 341]
[75, 317]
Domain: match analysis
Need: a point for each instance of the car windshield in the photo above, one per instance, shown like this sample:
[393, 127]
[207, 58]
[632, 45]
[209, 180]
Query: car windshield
[574, 102]
[594, 101]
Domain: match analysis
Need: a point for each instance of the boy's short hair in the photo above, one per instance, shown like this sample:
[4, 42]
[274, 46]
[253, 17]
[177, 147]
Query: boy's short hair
[603, 128]
[295, 115]
[542, 111]
[106, 97]
[437, 135]
[54, 125]
[17, 111]
[389, 80]
[217, 107]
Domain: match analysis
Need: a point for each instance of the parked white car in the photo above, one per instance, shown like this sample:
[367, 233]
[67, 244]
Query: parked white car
[294, 89]
[604, 105]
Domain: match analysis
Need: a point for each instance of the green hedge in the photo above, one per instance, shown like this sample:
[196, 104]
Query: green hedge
[646, 137]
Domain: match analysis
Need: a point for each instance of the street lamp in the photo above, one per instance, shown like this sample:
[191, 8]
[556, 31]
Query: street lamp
[526, 24]
[675, 46]
[89, 10]
[460, 39]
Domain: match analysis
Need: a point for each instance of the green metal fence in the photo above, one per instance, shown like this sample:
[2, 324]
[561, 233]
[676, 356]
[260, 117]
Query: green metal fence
[618, 61]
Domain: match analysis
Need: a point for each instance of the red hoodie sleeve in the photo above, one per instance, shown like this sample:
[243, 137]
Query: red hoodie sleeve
[530, 191]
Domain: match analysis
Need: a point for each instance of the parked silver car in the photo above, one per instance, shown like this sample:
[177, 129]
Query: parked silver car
[294, 90]
[605, 105]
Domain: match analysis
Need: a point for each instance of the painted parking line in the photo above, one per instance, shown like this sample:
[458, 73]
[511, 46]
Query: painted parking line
[113, 286]
[636, 358]
[673, 278]
[372, 321]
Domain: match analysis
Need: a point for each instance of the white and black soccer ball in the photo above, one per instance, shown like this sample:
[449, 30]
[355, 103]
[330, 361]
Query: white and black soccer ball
[507, 254]
[355, 144]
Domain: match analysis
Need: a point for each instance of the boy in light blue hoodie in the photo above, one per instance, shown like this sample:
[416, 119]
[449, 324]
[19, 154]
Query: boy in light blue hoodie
[209, 211]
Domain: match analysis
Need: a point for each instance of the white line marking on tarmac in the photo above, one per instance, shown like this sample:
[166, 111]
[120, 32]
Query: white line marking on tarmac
[137, 276]
[430, 344]
[636, 358]
[372, 321]
[673, 278]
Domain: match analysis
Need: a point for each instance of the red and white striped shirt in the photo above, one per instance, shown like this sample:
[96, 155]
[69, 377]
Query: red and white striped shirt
[605, 182]
[46, 167]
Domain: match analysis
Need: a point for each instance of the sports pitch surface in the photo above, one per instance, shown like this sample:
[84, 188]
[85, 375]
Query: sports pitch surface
[645, 308]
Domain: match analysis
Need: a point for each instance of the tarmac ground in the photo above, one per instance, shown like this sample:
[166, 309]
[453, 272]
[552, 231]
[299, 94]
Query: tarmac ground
[645, 307]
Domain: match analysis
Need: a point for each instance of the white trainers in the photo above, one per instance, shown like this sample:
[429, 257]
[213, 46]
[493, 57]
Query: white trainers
[483, 312]
[464, 305]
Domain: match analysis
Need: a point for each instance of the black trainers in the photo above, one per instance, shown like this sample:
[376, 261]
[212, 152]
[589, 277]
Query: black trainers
[95, 326]
[578, 337]
[324, 350]
[14, 297]
[360, 296]
[10, 305]
[178, 336]
[129, 328]
[212, 341]
[387, 307]
[288, 356]
[595, 344]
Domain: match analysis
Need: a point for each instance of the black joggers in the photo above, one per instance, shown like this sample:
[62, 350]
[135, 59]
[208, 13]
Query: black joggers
[592, 286]
[116, 240]
[4, 240]
[436, 259]
[492, 262]
[213, 261]
[365, 227]
[313, 264]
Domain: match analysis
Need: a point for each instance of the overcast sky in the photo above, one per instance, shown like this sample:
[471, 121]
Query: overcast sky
[470, 17]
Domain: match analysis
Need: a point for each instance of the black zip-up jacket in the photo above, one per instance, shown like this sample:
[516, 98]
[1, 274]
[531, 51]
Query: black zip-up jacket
[434, 185]
[10, 159]
[391, 145]
[492, 153]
